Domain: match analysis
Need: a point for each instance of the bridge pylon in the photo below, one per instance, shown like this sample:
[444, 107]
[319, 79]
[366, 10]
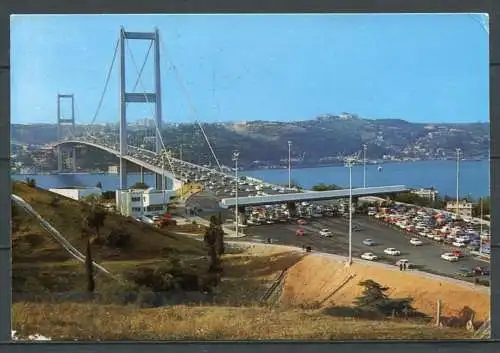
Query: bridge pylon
[64, 121]
[139, 97]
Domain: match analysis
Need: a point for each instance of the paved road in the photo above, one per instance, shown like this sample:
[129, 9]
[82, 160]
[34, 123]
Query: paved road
[426, 257]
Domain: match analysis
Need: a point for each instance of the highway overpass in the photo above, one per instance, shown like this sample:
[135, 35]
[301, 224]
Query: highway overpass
[310, 196]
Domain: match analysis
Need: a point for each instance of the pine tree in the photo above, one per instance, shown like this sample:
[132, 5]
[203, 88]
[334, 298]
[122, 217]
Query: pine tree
[89, 269]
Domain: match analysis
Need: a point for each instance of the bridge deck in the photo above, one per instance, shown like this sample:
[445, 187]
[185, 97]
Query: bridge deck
[310, 196]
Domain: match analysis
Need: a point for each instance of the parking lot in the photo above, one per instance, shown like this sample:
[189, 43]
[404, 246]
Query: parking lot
[425, 257]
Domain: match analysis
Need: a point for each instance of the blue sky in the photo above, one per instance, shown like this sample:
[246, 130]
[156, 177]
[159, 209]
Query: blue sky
[421, 68]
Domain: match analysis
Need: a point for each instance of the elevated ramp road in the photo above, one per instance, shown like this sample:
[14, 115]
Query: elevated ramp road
[310, 196]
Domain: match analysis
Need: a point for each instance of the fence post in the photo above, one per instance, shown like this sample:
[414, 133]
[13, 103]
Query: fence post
[438, 313]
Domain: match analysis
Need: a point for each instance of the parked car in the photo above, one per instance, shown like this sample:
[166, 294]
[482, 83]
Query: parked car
[301, 222]
[369, 242]
[449, 257]
[325, 232]
[369, 256]
[416, 241]
[457, 253]
[392, 251]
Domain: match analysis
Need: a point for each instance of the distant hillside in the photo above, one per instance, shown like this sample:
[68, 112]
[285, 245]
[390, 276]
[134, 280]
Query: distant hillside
[318, 141]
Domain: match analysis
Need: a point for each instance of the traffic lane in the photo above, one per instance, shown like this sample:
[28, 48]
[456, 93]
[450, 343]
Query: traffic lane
[427, 256]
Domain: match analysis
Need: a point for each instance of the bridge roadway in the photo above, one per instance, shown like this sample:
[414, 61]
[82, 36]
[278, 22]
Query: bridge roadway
[427, 256]
[150, 160]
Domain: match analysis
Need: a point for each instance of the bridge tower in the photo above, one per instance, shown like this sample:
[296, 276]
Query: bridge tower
[140, 97]
[64, 121]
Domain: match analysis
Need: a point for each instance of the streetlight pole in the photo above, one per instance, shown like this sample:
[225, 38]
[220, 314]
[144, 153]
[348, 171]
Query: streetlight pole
[236, 155]
[458, 150]
[349, 164]
[289, 164]
[481, 225]
[364, 165]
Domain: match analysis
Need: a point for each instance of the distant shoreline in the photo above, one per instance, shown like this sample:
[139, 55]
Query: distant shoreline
[300, 166]
[368, 163]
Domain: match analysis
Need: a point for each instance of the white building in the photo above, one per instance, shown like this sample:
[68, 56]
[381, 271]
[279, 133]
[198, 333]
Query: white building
[77, 193]
[429, 194]
[137, 203]
[464, 208]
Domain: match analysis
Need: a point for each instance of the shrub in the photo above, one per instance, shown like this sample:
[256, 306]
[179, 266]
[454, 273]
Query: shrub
[117, 238]
[31, 182]
[164, 278]
[55, 201]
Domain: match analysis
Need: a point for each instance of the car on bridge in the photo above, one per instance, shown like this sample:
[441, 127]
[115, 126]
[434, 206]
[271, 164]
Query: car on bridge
[369, 256]
[325, 232]
[392, 252]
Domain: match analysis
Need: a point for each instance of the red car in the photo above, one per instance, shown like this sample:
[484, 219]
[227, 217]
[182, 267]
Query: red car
[300, 232]
[301, 222]
[457, 253]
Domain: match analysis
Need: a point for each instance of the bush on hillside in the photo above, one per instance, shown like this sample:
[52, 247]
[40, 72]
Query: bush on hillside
[31, 182]
[374, 299]
[164, 278]
[124, 293]
[117, 238]
[54, 202]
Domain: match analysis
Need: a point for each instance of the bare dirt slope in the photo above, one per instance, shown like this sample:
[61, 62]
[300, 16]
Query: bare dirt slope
[320, 279]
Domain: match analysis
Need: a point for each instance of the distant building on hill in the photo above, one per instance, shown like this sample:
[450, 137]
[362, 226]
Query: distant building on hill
[430, 194]
[77, 193]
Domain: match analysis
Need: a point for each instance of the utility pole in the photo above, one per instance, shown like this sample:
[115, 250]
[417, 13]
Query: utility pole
[289, 165]
[458, 150]
[236, 155]
[349, 164]
[364, 164]
[481, 225]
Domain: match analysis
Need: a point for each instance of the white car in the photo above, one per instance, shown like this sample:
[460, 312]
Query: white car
[416, 241]
[449, 257]
[392, 251]
[325, 233]
[458, 244]
[369, 256]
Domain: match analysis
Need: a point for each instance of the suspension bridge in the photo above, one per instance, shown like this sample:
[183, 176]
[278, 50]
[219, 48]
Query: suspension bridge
[149, 151]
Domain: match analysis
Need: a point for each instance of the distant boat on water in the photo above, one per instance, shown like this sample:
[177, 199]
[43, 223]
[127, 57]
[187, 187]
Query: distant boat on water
[379, 168]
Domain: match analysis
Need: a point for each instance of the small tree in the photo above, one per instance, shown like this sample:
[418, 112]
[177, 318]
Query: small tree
[95, 215]
[89, 269]
[373, 295]
[375, 299]
[31, 182]
[140, 185]
[219, 236]
[292, 208]
[210, 239]
[325, 187]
